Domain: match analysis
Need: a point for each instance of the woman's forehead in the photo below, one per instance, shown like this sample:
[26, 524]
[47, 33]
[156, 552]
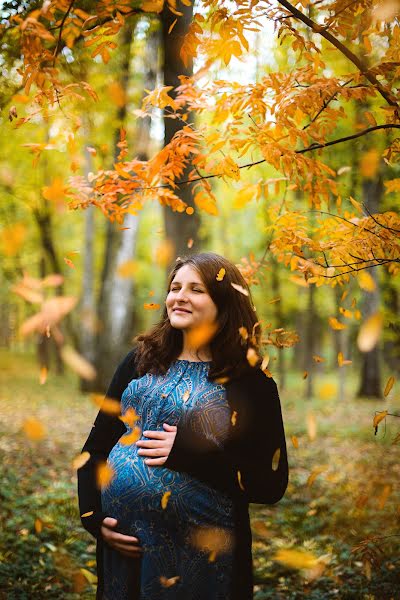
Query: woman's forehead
[187, 274]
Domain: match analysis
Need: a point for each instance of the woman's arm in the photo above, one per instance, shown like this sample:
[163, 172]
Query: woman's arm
[105, 433]
[255, 434]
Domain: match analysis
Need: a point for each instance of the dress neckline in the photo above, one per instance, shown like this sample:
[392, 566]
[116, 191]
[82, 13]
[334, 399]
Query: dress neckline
[201, 362]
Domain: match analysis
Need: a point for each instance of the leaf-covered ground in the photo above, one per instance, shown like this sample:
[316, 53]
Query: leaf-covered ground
[344, 489]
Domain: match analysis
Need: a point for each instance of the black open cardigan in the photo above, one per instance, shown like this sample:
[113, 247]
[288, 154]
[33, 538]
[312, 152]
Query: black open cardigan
[254, 436]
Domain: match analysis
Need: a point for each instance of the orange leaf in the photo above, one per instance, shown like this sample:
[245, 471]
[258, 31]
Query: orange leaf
[34, 429]
[80, 460]
[389, 385]
[164, 499]
[104, 474]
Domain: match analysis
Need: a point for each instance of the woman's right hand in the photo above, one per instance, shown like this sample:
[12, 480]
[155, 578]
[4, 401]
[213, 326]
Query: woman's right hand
[125, 544]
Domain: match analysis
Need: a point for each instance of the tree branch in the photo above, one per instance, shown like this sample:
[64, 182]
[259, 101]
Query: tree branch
[359, 63]
[57, 48]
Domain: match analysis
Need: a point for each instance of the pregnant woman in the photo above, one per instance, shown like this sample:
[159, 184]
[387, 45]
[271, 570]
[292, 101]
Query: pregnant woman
[201, 436]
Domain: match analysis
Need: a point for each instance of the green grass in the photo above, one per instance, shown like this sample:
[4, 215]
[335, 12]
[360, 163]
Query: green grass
[354, 496]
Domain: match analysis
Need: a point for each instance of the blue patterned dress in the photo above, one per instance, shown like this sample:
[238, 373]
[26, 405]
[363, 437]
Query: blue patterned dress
[191, 539]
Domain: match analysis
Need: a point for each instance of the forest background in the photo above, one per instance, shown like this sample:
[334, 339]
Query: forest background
[133, 133]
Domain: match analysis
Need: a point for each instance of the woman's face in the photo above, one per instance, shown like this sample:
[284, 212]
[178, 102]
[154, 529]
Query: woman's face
[189, 305]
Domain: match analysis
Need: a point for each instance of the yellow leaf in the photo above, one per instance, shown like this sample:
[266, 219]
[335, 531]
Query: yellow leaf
[104, 474]
[327, 390]
[43, 375]
[34, 429]
[151, 306]
[87, 514]
[379, 417]
[245, 195]
[252, 357]
[132, 437]
[128, 268]
[244, 334]
[201, 334]
[220, 274]
[370, 332]
[38, 525]
[296, 559]
[239, 476]
[369, 163]
[117, 94]
[164, 499]
[233, 418]
[366, 281]
[314, 474]
[89, 576]
[172, 26]
[275, 459]
[205, 202]
[80, 460]
[186, 395]
[311, 426]
[164, 253]
[56, 191]
[13, 236]
[105, 404]
[78, 363]
[335, 324]
[389, 385]
[295, 441]
[317, 358]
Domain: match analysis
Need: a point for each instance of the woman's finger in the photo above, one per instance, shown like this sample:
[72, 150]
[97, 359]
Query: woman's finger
[157, 435]
[155, 461]
[150, 443]
[156, 452]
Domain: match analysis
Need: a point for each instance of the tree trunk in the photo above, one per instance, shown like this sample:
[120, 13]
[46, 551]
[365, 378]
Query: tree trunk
[370, 384]
[179, 227]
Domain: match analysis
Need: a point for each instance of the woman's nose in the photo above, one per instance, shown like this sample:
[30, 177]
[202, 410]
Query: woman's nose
[181, 295]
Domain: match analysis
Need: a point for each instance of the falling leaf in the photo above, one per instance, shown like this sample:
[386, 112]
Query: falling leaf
[389, 385]
[189, 210]
[128, 268]
[34, 429]
[38, 525]
[87, 514]
[190, 243]
[305, 374]
[164, 253]
[379, 417]
[56, 191]
[275, 459]
[89, 576]
[211, 539]
[240, 289]
[296, 559]
[221, 380]
[78, 363]
[342, 361]
[167, 583]
[80, 460]
[172, 26]
[369, 163]
[186, 395]
[366, 281]
[105, 404]
[28, 294]
[317, 358]
[295, 441]
[311, 426]
[104, 474]
[244, 334]
[201, 335]
[43, 375]
[220, 274]
[239, 476]
[370, 332]
[233, 418]
[12, 238]
[151, 306]
[335, 324]
[265, 362]
[252, 357]
[327, 390]
[164, 499]
[314, 474]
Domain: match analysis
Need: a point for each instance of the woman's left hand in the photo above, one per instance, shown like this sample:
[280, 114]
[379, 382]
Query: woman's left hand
[159, 445]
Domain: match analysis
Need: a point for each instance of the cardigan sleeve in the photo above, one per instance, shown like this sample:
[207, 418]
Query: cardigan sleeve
[105, 433]
[256, 434]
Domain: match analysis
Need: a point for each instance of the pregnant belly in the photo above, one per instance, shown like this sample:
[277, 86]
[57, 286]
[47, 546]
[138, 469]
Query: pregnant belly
[138, 491]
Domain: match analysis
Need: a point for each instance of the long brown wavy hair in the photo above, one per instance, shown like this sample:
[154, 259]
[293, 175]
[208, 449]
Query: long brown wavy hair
[238, 329]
